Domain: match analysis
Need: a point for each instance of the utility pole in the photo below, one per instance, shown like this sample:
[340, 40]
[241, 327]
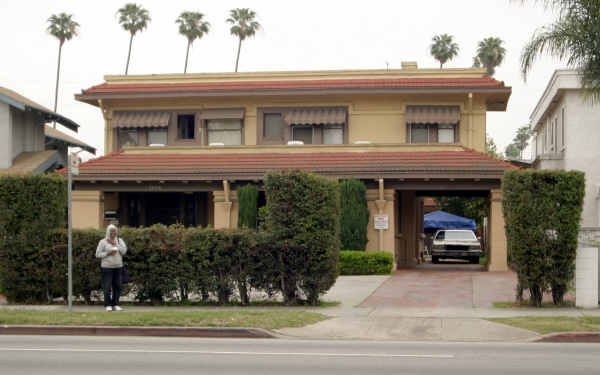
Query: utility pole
[72, 169]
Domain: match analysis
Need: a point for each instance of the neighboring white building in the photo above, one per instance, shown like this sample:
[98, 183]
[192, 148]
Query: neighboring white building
[566, 135]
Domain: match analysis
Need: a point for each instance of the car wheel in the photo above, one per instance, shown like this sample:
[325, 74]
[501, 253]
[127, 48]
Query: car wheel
[435, 260]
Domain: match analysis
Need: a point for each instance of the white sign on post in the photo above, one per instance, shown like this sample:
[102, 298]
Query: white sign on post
[381, 222]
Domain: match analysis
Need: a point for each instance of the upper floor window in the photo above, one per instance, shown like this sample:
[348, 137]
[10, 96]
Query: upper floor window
[226, 131]
[128, 137]
[186, 126]
[432, 124]
[303, 134]
[157, 136]
[273, 125]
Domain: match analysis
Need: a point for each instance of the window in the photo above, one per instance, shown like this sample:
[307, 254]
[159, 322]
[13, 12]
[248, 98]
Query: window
[186, 126]
[228, 132]
[419, 134]
[333, 135]
[445, 133]
[157, 137]
[303, 133]
[273, 125]
[128, 137]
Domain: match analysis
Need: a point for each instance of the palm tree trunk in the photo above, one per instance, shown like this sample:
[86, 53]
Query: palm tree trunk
[128, 54]
[57, 78]
[237, 60]
[186, 56]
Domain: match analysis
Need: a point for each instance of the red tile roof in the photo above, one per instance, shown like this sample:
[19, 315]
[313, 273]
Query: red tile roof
[387, 83]
[209, 166]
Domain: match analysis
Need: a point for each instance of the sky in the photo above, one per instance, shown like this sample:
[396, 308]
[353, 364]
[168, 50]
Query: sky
[295, 35]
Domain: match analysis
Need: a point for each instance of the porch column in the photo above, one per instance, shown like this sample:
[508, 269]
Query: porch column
[498, 256]
[88, 209]
[381, 240]
[225, 211]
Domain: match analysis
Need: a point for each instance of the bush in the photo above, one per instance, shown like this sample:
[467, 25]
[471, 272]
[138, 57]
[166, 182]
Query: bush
[303, 222]
[365, 263]
[354, 214]
[31, 208]
[248, 206]
[542, 211]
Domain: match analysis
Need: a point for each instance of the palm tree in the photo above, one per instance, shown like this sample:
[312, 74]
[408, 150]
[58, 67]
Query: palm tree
[191, 26]
[443, 49]
[575, 37]
[490, 53]
[133, 18]
[63, 28]
[243, 26]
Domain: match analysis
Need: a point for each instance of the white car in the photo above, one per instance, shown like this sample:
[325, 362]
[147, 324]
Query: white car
[456, 244]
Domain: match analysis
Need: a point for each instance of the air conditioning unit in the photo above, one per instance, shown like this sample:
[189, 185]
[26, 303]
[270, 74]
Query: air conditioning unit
[213, 144]
[362, 142]
[157, 145]
[295, 143]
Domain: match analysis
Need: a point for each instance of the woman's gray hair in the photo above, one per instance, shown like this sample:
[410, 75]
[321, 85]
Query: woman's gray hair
[109, 228]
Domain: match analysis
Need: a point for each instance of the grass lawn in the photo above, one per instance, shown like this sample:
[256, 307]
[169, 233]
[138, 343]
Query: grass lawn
[553, 324]
[248, 319]
[525, 303]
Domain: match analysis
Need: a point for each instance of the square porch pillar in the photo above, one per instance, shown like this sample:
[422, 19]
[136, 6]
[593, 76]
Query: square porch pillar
[225, 211]
[498, 256]
[88, 209]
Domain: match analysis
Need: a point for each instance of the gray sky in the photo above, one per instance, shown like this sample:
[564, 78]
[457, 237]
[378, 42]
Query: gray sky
[306, 35]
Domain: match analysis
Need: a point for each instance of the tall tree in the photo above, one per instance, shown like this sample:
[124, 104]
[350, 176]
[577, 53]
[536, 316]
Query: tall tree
[62, 27]
[490, 53]
[574, 36]
[521, 139]
[243, 26]
[511, 151]
[133, 18]
[491, 148]
[192, 26]
[443, 49]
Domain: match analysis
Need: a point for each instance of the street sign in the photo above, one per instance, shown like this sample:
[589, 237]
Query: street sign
[381, 222]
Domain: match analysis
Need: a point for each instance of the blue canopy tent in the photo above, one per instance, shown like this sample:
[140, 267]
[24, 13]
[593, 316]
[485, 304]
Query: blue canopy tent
[442, 220]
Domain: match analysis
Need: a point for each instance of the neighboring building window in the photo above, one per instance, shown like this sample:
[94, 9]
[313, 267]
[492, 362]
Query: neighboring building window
[157, 137]
[273, 125]
[128, 137]
[186, 126]
[228, 132]
[333, 135]
[419, 134]
[303, 133]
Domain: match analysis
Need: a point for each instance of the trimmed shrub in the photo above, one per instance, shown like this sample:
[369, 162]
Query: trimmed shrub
[365, 263]
[31, 208]
[542, 211]
[248, 206]
[354, 214]
[303, 222]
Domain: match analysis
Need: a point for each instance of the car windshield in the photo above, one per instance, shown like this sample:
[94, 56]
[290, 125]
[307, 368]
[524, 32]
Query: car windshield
[460, 235]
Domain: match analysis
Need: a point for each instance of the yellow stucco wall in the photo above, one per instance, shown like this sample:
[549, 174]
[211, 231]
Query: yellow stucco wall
[88, 209]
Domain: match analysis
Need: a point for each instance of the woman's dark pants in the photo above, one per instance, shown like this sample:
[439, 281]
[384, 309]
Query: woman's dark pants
[111, 279]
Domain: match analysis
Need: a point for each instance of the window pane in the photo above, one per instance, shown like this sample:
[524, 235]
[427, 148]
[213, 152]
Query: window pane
[227, 137]
[157, 137]
[185, 126]
[128, 138]
[224, 124]
[333, 135]
[446, 133]
[304, 134]
[418, 134]
[273, 125]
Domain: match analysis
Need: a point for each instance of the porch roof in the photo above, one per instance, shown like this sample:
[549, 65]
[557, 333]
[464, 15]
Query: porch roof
[124, 166]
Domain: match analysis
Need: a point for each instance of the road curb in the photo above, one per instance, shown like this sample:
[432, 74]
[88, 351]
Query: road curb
[570, 337]
[254, 333]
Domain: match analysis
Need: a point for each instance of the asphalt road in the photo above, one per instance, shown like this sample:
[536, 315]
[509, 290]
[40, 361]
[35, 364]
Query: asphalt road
[166, 356]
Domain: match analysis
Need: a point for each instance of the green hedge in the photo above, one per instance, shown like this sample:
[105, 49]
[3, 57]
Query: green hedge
[354, 214]
[302, 220]
[31, 208]
[365, 263]
[542, 211]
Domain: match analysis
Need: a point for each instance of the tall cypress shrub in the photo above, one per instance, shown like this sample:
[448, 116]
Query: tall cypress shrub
[303, 222]
[32, 207]
[354, 216]
[248, 206]
[542, 211]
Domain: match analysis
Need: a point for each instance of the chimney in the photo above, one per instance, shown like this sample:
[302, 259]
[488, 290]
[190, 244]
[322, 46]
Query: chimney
[409, 65]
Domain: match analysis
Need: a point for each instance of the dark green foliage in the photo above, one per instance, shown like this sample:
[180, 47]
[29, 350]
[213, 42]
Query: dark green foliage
[354, 214]
[303, 222]
[542, 211]
[365, 263]
[475, 208]
[248, 206]
[31, 208]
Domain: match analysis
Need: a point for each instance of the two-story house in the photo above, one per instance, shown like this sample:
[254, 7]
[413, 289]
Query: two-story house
[178, 145]
[27, 144]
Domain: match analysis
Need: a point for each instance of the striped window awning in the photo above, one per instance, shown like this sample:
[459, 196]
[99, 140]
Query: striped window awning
[222, 114]
[432, 114]
[141, 119]
[326, 116]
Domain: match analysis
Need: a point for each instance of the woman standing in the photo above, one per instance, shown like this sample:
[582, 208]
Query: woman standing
[111, 250]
